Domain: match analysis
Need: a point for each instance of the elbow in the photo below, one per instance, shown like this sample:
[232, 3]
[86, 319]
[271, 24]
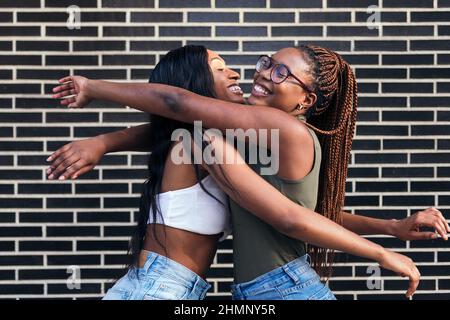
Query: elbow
[291, 224]
[172, 99]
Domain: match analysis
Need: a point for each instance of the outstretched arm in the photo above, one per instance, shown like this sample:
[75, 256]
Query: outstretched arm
[294, 144]
[405, 229]
[79, 157]
[260, 198]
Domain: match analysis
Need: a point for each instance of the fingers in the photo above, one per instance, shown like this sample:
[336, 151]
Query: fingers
[68, 173]
[434, 219]
[58, 152]
[61, 164]
[64, 87]
[417, 235]
[68, 101]
[414, 279]
[65, 93]
[83, 170]
[441, 216]
[65, 79]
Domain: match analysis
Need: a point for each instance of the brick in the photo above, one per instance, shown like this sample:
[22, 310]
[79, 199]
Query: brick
[269, 17]
[154, 45]
[380, 45]
[66, 3]
[185, 31]
[156, 17]
[408, 31]
[42, 132]
[185, 4]
[425, 130]
[240, 3]
[44, 188]
[128, 3]
[42, 45]
[213, 17]
[407, 144]
[381, 158]
[408, 3]
[408, 116]
[385, 16]
[325, 17]
[20, 31]
[65, 32]
[296, 31]
[98, 45]
[241, 31]
[45, 217]
[121, 60]
[407, 172]
[71, 60]
[73, 231]
[73, 203]
[349, 3]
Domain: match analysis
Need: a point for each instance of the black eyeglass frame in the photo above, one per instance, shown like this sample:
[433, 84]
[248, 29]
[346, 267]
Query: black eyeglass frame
[273, 65]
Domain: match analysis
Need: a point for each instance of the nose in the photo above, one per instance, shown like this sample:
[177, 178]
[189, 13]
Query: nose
[233, 74]
[265, 74]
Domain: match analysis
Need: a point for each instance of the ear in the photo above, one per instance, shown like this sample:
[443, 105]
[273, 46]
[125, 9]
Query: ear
[307, 101]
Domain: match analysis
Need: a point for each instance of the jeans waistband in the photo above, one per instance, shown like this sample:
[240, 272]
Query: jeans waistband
[293, 270]
[156, 263]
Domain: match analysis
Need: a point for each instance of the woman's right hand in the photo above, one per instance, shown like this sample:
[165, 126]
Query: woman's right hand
[73, 91]
[402, 266]
[75, 158]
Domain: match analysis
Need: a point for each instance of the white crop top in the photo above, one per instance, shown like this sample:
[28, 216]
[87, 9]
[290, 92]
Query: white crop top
[192, 209]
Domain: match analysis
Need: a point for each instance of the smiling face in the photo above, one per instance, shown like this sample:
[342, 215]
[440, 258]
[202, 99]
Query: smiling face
[288, 94]
[225, 80]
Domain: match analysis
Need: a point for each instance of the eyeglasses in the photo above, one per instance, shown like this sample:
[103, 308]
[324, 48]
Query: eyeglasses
[279, 73]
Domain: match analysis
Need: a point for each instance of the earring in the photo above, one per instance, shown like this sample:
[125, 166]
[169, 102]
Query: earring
[300, 107]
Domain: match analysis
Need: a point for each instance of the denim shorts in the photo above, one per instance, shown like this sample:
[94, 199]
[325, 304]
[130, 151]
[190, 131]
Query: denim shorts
[159, 279]
[295, 280]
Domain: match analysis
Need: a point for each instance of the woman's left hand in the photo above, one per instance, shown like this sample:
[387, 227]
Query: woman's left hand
[409, 228]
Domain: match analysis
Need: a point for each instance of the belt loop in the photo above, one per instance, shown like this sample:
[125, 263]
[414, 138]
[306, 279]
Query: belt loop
[194, 286]
[290, 273]
[149, 260]
[236, 292]
[308, 259]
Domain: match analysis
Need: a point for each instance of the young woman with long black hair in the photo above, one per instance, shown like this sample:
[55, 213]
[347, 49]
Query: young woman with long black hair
[327, 93]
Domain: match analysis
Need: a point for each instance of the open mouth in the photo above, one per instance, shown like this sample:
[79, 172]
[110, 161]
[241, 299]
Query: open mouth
[235, 89]
[260, 90]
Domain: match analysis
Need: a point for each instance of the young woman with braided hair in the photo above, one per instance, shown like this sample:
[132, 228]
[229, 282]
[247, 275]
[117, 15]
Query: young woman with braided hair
[270, 233]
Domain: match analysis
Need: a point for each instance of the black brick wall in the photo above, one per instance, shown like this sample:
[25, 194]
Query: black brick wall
[400, 162]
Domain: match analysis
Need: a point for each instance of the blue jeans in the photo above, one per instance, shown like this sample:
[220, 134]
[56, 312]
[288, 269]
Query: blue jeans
[159, 279]
[295, 280]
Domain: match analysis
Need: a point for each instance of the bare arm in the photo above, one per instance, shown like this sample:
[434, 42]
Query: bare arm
[260, 198]
[294, 145]
[81, 156]
[405, 229]
[131, 139]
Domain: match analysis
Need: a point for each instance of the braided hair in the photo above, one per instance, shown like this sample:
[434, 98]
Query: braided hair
[333, 117]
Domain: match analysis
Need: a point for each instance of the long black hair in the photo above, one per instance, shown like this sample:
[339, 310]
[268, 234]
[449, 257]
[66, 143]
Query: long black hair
[188, 68]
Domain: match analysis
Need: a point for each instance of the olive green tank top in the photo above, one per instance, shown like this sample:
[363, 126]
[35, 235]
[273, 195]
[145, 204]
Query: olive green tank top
[257, 246]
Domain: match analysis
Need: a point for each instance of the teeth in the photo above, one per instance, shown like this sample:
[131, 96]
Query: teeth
[235, 89]
[260, 89]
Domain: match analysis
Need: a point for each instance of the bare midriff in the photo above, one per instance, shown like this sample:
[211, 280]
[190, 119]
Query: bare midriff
[192, 250]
